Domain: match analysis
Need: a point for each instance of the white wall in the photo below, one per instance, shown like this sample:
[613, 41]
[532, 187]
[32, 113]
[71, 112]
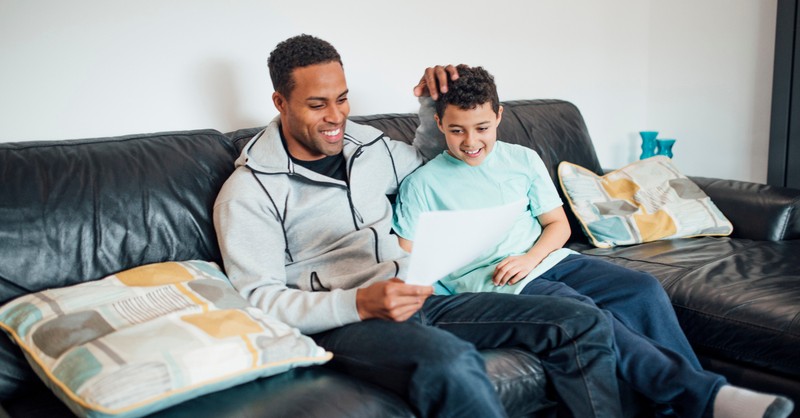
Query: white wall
[697, 71]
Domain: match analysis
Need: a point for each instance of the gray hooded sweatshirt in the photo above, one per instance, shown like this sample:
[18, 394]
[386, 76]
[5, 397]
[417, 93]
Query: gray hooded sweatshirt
[298, 244]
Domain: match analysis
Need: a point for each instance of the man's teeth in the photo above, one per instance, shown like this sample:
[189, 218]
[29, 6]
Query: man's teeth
[332, 133]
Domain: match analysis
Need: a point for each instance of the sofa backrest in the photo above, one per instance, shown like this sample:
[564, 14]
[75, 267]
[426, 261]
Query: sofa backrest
[78, 210]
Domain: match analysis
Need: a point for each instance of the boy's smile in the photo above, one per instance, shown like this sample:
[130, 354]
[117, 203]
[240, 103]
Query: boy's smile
[470, 133]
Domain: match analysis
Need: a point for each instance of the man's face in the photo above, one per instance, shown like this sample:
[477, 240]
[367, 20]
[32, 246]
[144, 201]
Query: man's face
[470, 133]
[314, 116]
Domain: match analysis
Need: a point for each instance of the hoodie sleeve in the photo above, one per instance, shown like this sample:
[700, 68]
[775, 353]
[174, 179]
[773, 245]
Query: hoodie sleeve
[252, 243]
[428, 143]
[429, 140]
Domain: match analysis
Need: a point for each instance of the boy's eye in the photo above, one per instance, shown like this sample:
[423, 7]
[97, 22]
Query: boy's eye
[455, 131]
[481, 129]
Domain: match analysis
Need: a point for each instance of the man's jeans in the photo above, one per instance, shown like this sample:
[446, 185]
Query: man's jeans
[653, 354]
[432, 359]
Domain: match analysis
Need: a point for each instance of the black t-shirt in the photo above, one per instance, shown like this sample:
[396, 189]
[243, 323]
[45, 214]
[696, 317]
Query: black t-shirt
[333, 166]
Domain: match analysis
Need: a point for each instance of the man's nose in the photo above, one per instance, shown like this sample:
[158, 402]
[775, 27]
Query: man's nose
[334, 115]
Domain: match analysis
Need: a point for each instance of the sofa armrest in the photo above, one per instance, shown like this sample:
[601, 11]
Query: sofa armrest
[3, 413]
[757, 211]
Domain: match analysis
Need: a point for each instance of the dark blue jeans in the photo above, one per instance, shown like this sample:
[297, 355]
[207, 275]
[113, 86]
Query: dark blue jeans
[653, 355]
[432, 359]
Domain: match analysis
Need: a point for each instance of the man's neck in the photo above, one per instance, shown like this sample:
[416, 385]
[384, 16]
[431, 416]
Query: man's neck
[331, 166]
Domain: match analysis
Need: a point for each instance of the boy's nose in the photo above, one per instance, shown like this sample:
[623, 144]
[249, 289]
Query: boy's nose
[469, 138]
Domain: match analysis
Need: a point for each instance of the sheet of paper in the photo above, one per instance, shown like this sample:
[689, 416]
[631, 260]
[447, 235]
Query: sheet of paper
[448, 240]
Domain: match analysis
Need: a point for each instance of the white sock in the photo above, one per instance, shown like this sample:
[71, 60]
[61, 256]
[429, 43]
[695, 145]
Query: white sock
[736, 402]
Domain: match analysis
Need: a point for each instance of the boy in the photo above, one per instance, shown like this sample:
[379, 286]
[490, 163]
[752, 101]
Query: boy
[477, 171]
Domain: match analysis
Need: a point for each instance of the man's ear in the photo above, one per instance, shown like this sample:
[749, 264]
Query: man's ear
[279, 101]
[438, 123]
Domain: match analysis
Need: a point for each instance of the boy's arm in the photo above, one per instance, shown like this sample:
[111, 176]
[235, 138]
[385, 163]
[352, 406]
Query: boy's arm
[405, 244]
[555, 232]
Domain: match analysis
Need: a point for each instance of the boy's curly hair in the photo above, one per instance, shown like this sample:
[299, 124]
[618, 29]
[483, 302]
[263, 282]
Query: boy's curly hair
[473, 87]
[296, 52]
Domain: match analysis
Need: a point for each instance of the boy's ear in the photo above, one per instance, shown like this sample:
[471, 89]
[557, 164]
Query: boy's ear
[438, 123]
[499, 114]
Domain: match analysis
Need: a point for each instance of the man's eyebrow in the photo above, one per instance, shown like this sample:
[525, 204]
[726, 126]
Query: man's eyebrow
[322, 99]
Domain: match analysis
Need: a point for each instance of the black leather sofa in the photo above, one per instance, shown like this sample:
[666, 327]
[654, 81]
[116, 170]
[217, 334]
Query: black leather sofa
[78, 210]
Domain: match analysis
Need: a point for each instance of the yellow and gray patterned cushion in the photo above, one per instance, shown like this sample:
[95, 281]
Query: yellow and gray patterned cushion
[150, 337]
[647, 200]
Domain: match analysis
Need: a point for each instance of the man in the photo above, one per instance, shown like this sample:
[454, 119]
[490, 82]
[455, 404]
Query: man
[304, 229]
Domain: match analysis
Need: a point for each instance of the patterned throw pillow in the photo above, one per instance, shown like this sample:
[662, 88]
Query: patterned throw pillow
[645, 201]
[150, 337]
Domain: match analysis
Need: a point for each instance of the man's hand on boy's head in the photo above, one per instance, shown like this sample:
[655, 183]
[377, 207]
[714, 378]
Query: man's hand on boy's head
[391, 299]
[435, 77]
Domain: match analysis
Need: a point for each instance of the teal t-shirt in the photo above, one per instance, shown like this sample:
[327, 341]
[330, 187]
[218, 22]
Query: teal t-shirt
[509, 173]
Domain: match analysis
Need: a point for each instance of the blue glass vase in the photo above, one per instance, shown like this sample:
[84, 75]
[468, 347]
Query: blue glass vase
[664, 147]
[648, 143]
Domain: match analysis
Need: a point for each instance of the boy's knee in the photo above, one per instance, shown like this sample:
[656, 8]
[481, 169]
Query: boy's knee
[590, 323]
[649, 287]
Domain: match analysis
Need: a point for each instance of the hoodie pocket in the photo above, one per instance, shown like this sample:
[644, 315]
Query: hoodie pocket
[316, 284]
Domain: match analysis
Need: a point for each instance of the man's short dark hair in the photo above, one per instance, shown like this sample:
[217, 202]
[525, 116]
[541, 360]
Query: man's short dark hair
[296, 52]
[473, 87]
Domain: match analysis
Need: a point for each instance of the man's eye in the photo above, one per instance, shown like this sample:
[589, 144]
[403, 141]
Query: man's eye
[317, 106]
[342, 100]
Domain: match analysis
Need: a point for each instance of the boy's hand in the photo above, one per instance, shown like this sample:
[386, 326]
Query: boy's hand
[434, 81]
[513, 269]
[392, 300]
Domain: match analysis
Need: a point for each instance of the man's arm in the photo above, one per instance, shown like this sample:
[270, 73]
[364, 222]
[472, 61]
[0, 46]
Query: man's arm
[434, 80]
[429, 140]
[392, 300]
[252, 243]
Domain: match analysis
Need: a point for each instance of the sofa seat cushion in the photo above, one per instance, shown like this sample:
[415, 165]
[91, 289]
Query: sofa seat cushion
[320, 392]
[736, 299]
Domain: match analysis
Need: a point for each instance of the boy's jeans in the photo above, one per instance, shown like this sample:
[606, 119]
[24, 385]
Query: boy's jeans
[653, 354]
[432, 359]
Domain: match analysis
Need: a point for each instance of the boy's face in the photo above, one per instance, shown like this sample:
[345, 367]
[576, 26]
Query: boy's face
[470, 133]
[313, 117]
